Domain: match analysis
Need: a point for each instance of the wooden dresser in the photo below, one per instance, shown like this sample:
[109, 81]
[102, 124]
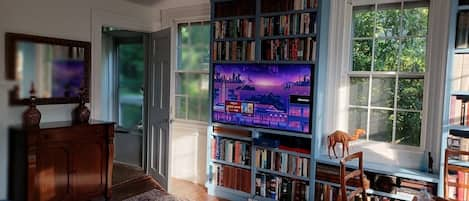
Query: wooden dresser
[60, 161]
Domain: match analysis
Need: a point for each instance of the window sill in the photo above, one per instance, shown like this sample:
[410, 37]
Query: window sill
[386, 169]
[185, 123]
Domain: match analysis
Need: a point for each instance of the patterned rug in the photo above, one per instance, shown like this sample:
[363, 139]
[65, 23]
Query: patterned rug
[155, 195]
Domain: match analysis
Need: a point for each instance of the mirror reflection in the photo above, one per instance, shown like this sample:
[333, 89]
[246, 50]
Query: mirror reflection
[56, 70]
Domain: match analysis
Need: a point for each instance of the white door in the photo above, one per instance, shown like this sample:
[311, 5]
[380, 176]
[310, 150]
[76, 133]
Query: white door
[158, 106]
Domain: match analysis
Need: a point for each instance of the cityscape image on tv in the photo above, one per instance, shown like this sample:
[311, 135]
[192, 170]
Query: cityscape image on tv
[263, 95]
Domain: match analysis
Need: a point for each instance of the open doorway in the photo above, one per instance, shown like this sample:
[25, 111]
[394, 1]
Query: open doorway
[125, 53]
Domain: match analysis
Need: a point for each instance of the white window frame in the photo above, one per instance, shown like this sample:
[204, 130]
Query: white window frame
[176, 43]
[337, 96]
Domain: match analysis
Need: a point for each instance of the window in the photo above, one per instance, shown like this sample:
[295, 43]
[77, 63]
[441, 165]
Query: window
[387, 74]
[192, 73]
[131, 66]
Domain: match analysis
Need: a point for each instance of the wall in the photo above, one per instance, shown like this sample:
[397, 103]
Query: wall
[63, 19]
[189, 151]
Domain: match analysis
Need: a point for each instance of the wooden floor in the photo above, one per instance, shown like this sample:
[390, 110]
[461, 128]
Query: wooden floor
[129, 181]
[191, 191]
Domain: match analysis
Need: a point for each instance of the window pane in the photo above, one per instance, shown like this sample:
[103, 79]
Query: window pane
[382, 92]
[181, 107]
[193, 47]
[199, 33]
[359, 91]
[195, 87]
[131, 78]
[408, 128]
[388, 20]
[362, 50]
[363, 21]
[130, 115]
[386, 54]
[410, 94]
[414, 20]
[381, 125]
[357, 119]
[413, 55]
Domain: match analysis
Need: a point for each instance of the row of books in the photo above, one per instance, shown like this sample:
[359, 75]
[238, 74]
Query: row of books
[231, 177]
[238, 28]
[325, 192]
[459, 112]
[458, 143]
[462, 30]
[280, 188]
[290, 49]
[234, 51]
[232, 151]
[284, 5]
[282, 162]
[458, 192]
[285, 25]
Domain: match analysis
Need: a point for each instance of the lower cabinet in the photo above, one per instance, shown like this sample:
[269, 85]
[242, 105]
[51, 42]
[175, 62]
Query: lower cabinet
[64, 162]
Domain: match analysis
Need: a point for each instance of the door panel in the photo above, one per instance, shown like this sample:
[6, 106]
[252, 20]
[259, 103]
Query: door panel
[53, 173]
[158, 107]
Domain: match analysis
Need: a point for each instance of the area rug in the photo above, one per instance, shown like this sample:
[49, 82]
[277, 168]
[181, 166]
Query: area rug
[155, 195]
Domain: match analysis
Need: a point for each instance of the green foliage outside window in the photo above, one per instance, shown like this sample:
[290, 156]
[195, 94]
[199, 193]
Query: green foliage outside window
[192, 72]
[389, 50]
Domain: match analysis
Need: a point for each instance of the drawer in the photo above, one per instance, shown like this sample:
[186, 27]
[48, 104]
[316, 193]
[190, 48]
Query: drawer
[76, 133]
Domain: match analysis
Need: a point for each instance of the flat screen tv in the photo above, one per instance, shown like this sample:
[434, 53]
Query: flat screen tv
[273, 96]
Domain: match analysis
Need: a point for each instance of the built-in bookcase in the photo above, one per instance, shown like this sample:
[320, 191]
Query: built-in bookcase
[262, 164]
[241, 165]
[456, 123]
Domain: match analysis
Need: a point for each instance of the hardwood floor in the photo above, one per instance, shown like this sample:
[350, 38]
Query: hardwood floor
[191, 191]
[130, 181]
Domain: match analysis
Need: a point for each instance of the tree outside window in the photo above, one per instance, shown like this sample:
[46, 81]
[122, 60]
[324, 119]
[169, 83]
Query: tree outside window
[387, 75]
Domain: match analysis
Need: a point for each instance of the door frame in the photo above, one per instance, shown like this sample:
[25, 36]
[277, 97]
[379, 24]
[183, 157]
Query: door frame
[101, 75]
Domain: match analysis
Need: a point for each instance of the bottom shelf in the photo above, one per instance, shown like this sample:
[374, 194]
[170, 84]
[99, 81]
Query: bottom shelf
[399, 196]
[227, 193]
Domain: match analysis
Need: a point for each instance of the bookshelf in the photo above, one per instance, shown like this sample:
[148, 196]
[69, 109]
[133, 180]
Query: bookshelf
[262, 32]
[456, 112]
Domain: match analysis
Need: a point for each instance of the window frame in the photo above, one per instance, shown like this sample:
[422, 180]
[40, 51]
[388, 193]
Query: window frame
[339, 63]
[176, 71]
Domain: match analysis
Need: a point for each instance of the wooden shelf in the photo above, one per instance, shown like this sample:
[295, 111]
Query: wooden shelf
[400, 196]
[284, 151]
[270, 14]
[287, 37]
[459, 163]
[234, 18]
[282, 174]
[231, 136]
[234, 39]
[231, 164]
[286, 62]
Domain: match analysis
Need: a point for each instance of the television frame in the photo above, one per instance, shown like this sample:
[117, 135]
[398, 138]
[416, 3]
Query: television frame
[311, 105]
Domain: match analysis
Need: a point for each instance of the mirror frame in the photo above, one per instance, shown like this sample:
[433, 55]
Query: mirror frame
[10, 68]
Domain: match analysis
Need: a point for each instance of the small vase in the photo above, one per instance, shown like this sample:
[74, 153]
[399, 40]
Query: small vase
[81, 114]
[32, 116]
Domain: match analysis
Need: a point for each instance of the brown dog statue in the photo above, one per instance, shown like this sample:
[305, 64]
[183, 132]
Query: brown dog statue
[344, 138]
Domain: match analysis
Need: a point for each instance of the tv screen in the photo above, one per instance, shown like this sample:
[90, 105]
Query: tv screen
[270, 96]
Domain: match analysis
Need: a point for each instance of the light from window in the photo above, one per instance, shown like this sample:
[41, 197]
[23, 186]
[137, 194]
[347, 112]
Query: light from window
[386, 78]
[192, 72]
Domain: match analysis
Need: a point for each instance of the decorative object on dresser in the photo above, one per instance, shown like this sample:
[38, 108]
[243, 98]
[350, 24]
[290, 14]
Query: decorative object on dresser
[81, 114]
[58, 67]
[344, 138]
[61, 161]
[32, 116]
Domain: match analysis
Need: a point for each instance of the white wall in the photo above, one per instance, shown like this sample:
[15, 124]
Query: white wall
[189, 151]
[67, 19]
